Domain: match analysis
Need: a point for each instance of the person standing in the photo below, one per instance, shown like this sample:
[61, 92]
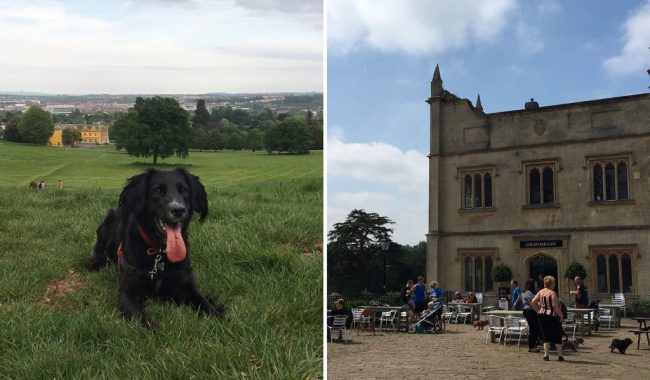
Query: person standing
[419, 294]
[530, 313]
[582, 298]
[436, 292]
[550, 317]
[516, 294]
[405, 293]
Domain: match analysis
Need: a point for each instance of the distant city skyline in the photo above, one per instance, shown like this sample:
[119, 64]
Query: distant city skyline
[161, 47]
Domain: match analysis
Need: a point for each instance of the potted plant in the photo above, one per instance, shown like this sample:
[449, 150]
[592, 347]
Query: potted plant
[574, 269]
[502, 274]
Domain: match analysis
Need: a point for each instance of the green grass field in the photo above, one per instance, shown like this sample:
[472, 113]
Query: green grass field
[59, 321]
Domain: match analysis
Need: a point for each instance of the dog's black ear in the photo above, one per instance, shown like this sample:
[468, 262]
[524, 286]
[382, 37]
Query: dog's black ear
[199, 196]
[134, 194]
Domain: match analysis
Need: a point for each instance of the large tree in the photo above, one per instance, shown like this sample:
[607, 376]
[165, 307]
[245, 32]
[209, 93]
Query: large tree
[36, 126]
[11, 129]
[354, 255]
[156, 127]
[201, 117]
[290, 135]
[70, 136]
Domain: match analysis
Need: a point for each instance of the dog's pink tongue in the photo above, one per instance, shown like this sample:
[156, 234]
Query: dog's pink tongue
[176, 250]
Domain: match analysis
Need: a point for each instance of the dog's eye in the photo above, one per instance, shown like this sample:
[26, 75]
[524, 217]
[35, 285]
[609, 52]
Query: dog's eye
[182, 189]
[159, 190]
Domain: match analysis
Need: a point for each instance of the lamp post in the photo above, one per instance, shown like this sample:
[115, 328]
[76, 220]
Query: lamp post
[385, 245]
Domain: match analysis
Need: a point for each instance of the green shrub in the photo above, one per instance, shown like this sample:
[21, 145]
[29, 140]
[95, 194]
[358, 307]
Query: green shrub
[575, 269]
[501, 273]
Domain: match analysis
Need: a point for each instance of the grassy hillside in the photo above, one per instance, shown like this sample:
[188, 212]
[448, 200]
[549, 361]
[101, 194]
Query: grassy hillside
[255, 252]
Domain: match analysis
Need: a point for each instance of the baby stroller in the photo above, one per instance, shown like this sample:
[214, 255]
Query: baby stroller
[430, 323]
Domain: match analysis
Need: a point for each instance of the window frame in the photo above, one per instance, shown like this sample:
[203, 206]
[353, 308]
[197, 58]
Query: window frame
[473, 254]
[615, 160]
[540, 165]
[608, 252]
[473, 173]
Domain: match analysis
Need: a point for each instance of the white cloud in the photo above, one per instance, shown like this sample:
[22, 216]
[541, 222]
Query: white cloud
[634, 56]
[379, 177]
[378, 163]
[159, 47]
[414, 27]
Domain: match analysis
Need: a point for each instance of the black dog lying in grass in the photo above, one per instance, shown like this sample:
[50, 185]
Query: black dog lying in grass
[621, 345]
[147, 238]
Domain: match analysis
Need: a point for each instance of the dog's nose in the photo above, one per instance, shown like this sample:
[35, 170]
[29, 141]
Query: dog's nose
[178, 211]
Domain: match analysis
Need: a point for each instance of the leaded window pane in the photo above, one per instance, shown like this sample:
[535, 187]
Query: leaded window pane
[621, 176]
[468, 191]
[610, 184]
[478, 202]
[614, 285]
[598, 182]
[478, 266]
[534, 182]
[487, 184]
[601, 272]
[468, 274]
[548, 185]
[488, 275]
[626, 268]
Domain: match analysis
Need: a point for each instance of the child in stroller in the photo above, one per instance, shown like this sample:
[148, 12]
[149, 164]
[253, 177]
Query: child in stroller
[430, 320]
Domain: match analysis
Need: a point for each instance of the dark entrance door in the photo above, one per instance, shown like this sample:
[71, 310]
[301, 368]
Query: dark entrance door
[543, 265]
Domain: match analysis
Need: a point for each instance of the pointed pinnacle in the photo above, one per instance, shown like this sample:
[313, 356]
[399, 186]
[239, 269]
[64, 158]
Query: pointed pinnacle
[436, 73]
[479, 106]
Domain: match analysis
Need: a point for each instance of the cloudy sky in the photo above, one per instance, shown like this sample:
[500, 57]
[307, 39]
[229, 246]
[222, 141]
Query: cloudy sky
[161, 46]
[381, 57]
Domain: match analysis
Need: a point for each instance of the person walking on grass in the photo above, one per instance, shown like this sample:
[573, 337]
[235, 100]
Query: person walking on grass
[530, 314]
[550, 316]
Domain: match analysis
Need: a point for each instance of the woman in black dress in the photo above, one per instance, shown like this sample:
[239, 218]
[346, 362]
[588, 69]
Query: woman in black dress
[550, 316]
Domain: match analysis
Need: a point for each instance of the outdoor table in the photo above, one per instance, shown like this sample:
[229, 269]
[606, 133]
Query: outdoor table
[503, 314]
[381, 309]
[579, 319]
[475, 309]
[643, 329]
[615, 311]
[643, 322]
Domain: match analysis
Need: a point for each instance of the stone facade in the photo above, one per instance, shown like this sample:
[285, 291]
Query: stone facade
[538, 188]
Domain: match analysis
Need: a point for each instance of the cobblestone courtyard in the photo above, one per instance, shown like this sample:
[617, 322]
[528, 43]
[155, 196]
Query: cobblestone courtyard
[461, 353]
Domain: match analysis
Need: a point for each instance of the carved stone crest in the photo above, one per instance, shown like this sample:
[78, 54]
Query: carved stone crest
[540, 127]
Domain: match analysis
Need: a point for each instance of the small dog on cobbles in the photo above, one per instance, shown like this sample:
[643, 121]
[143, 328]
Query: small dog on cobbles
[572, 344]
[620, 344]
[480, 323]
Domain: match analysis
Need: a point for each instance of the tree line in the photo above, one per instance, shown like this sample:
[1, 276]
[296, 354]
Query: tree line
[159, 127]
[355, 258]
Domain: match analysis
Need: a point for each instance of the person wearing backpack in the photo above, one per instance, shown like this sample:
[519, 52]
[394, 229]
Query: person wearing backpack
[550, 315]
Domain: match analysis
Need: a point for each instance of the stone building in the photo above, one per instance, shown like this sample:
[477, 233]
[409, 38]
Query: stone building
[538, 188]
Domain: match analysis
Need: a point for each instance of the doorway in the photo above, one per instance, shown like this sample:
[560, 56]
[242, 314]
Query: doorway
[544, 265]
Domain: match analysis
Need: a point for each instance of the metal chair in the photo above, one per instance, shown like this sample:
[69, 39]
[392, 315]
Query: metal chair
[514, 325]
[366, 321]
[463, 312]
[338, 325]
[356, 316]
[388, 317]
[619, 299]
[605, 315]
[403, 321]
[448, 313]
[496, 326]
[570, 323]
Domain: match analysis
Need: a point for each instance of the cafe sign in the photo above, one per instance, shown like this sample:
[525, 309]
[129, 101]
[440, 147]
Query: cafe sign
[540, 244]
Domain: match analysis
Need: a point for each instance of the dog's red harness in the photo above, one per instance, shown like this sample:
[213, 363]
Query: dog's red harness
[174, 248]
